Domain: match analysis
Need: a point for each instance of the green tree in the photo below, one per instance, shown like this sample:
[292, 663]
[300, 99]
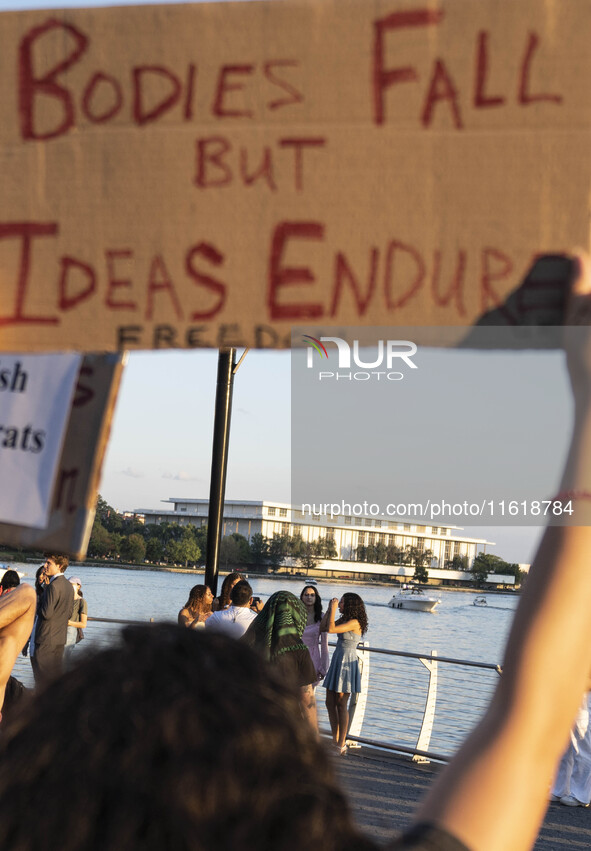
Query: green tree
[482, 566]
[394, 554]
[259, 549]
[234, 549]
[411, 555]
[371, 554]
[174, 552]
[100, 544]
[361, 553]
[291, 546]
[326, 548]
[154, 550]
[278, 550]
[307, 557]
[188, 550]
[424, 558]
[133, 549]
[200, 538]
[513, 569]
[103, 510]
[381, 553]
[458, 562]
[421, 573]
[485, 563]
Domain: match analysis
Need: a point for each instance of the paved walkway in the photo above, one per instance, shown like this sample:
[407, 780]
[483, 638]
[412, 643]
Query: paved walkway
[383, 791]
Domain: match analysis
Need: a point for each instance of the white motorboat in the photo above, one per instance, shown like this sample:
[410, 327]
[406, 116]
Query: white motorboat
[414, 599]
[480, 601]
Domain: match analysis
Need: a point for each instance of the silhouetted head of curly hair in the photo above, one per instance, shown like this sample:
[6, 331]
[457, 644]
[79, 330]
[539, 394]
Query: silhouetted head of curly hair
[138, 728]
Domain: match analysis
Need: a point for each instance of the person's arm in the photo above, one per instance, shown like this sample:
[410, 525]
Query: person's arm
[19, 602]
[186, 619]
[81, 624]
[494, 793]
[347, 626]
[323, 653]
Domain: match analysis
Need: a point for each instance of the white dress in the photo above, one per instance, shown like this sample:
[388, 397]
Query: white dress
[574, 770]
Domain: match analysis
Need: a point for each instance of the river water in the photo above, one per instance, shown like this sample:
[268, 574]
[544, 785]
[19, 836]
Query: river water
[398, 686]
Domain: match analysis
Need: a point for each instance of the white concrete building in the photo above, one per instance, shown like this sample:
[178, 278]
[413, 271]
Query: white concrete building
[347, 531]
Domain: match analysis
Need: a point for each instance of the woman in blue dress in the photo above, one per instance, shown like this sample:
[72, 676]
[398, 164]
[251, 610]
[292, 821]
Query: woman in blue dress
[344, 675]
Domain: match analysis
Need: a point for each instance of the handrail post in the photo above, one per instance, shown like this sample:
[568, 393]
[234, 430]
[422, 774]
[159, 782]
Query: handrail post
[429, 712]
[358, 701]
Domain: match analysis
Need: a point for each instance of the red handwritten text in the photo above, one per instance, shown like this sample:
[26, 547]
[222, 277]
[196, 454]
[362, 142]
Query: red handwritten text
[442, 92]
[148, 93]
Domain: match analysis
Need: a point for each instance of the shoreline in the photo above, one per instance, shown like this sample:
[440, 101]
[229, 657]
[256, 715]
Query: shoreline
[28, 560]
[275, 576]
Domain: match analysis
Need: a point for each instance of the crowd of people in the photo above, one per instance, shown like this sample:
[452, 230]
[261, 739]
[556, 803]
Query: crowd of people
[193, 740]
[52, 616]
[291, 634]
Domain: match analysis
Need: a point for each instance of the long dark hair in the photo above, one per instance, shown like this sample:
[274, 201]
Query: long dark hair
[317, 602]
[196, 600]
[354, 609]
[224, 598]
[40, 586]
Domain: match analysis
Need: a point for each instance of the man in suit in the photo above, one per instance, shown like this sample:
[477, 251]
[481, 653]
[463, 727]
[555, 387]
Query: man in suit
[52, 621]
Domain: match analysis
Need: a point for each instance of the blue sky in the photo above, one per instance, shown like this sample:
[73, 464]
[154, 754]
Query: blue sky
[161, 436]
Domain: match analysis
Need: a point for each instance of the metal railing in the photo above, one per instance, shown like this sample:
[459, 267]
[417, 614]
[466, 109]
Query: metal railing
[419, 704]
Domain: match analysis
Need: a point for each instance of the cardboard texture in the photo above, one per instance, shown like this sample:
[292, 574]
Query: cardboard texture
[74, 497]
[212, 174]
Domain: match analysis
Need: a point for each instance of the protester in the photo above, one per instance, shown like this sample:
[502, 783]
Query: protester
[78, 618]
[315, 636]
[234, 620]
[52, 621]
[344, 675]
[197, 609]
[145, 720]
[276, 634]
[223, 601]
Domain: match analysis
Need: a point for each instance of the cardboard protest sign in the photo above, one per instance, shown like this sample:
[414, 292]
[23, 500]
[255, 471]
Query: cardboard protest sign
[35, 397]
[212, 174]
[73, 497]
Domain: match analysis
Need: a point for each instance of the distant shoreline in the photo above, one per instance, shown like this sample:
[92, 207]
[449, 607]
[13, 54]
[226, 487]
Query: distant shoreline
[275, 576]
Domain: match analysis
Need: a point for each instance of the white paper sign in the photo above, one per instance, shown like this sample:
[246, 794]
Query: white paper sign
[35, 398]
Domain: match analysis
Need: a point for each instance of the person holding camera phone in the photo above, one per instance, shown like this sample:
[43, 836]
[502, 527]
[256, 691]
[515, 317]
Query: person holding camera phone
[236, 619]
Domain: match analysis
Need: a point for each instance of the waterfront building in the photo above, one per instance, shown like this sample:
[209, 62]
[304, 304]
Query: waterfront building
[348, 532]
